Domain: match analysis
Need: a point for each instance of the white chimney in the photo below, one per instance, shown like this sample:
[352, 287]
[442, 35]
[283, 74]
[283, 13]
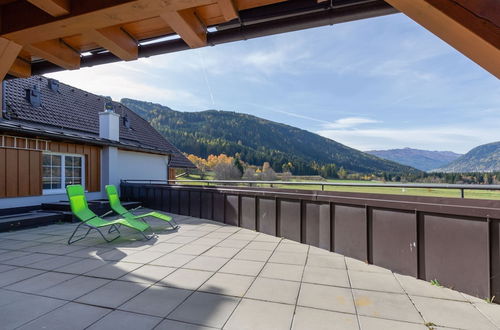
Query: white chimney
[109, 123]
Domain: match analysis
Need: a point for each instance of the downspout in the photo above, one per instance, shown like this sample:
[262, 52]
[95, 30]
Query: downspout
[5, 115]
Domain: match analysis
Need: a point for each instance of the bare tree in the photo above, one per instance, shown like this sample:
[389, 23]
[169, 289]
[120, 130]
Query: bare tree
[225, 171]
[249, 174]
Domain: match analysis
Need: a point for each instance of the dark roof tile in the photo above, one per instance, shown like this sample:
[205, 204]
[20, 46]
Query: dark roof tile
[75, 111]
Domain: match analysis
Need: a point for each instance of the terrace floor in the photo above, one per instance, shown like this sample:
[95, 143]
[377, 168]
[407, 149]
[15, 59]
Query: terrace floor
[209, 275]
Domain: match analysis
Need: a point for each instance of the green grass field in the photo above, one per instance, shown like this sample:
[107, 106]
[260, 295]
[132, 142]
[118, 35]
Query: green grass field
[453, 193]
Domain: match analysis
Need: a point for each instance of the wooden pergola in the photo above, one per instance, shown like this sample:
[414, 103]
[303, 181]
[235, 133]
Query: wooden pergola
[39, 36]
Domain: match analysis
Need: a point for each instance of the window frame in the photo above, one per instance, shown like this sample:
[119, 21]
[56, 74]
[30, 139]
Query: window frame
[63, 172]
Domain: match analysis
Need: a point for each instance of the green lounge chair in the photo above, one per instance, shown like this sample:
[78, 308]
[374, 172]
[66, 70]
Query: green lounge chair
[81, 210]
[116, 206]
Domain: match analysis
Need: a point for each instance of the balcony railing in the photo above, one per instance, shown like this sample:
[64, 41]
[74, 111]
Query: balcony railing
[453, 240]
[259, 183]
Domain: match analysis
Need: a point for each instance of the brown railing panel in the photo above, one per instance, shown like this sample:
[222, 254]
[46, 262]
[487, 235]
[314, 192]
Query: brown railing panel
[195, 204]
[206, 205]
[350, 235]
[232, 210]
[184, 202]
[248, 214]
[456, 253]
[394, 241]
[289, 220]
[174, 197]
[455, 241]
[219, 201]
[495, 258]
[267, 216]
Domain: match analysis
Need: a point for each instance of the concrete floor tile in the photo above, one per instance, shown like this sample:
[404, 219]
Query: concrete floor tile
[282, 271]
[353, 264]
[386, 282]
[417, 287]
[450, 313]
[206, 263]
[17, 275]
[260, 315]
[269, 289]
[192, 249]
[227, 284]
[173, 260]
[233, 243]
[74, 288]
[113, 270]
[143, 257]
[176, 325]
[326, 297]
[4, 257]
[329, 261]
[125, 321]
[288, 258]
[292, 247]
[189, 279]
[259, 245]
[392, 306]
[54, 262]
[222, 252]
[148, 274]
[41, 282]
[70, 316]
[371, 323]
[254, 255]
[492, 311]
[205, 309]
[156, 301]
[207, 241]
[28, 259]
[112, 294]
[181, 239]
[326, 276]
[242, 267]
[4, 268]
[309, 318]
[26, 309]
[82, 266]
[165, 247]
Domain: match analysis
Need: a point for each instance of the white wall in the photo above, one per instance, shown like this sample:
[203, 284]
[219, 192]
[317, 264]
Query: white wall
[141, 166]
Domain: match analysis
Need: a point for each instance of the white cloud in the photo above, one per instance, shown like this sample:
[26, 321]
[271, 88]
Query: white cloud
[350, 122]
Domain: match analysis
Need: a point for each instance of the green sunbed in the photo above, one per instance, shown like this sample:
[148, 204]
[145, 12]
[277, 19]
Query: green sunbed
[81, 210]
[116, 206]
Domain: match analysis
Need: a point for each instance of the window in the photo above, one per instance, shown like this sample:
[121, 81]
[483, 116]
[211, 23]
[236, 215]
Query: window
[60, 170]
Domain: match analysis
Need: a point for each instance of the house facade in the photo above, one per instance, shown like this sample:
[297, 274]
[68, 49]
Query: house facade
[52, 135]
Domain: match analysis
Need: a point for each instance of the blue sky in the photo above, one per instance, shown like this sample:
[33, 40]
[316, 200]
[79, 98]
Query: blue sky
[374, 84]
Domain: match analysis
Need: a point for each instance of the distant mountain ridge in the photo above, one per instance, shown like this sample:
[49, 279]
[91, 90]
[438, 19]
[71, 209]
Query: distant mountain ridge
[257, 140]
[424, 160]
[484, 158]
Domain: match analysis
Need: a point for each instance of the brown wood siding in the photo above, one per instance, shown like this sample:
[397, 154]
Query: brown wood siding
[92, 161]
[20, 173]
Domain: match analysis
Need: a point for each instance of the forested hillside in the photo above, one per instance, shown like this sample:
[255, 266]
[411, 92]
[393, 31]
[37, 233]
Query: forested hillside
[484, 158]
[257, 140]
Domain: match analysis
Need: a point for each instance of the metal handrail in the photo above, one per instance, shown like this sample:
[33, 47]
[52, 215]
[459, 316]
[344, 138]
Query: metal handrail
[461, 187]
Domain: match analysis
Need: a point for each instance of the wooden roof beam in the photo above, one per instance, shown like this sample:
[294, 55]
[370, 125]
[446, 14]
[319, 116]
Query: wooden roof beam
[228, 9]
[463, 27]
[53, 7]
[57, 52]
[25, 25]
[20, 68]
[188, 26]
[8, 55]
[117, 41]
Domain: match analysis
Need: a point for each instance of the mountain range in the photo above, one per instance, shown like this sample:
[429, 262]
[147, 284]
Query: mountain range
[424, 160]
[258, 140]
[484, 158]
